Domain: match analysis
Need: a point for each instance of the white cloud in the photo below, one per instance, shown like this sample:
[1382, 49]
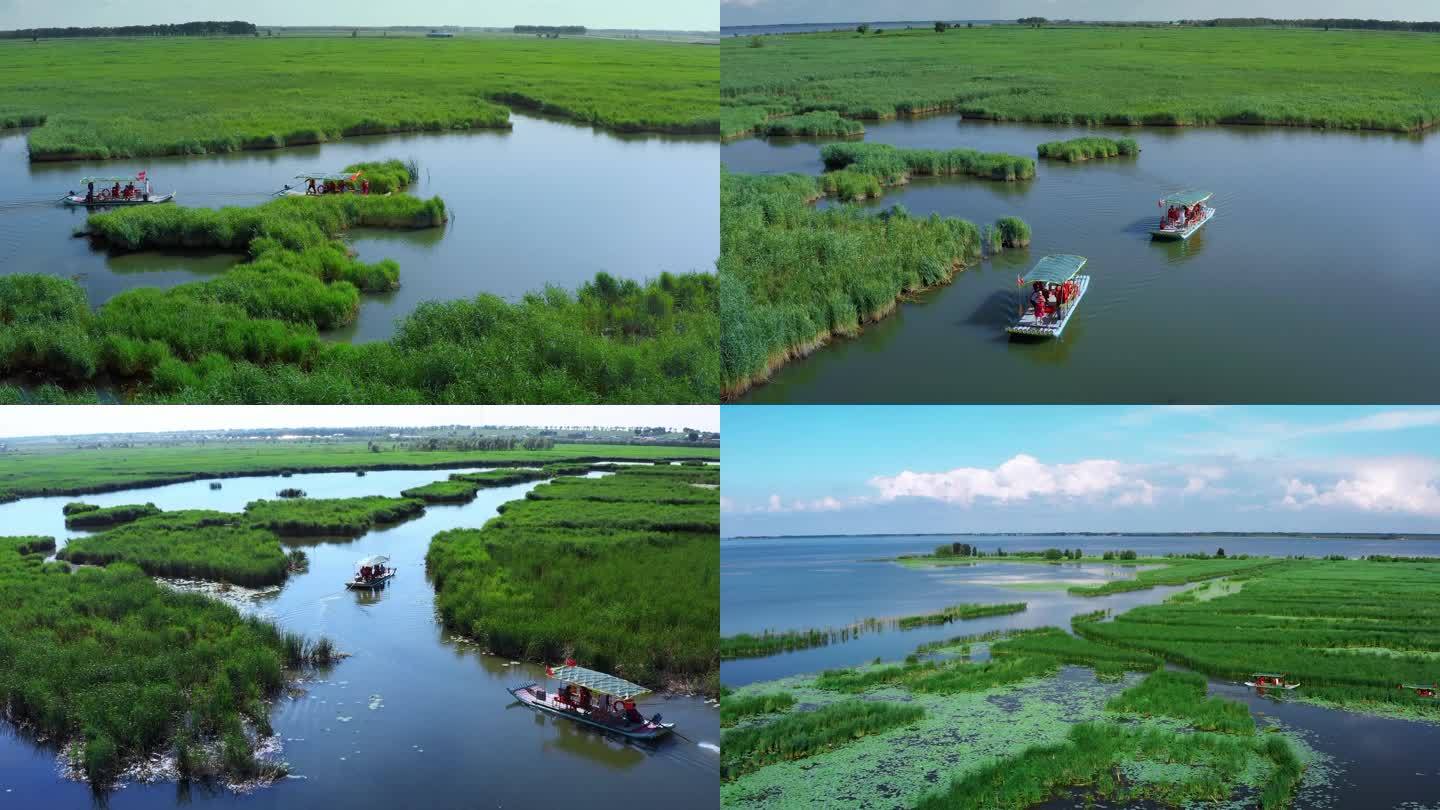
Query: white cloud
[1018, 479]
[1405, 485]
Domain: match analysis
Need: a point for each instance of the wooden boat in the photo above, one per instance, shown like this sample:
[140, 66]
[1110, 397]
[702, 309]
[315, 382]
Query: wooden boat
[1269, 680]
[337, 182]
[1177, 203]
[102, 198]
[371, 572]
[1052, 274]
[575, 701]
[1422, 690]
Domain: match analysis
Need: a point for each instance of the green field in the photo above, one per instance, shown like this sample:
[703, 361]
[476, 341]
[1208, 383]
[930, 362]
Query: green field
[1089, 75]
[111, 665]
[78, 471]
[117, 98]
[611, 572]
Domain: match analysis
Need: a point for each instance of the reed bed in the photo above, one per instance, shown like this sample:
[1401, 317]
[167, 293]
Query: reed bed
[1350, 632]
[1012, 232]
[290, 492]
[893, 166]
[805, 734]
[1088, 148]
[629, 587]
[76, 507]
[331, 517]
[191, 543]
[1177, 571]
[501, 478]
[119, 668]
[1089, 75]
[451, 491]
[1091, 760]
[770, 642]
[95, 518]
[947, 677]
[386, 176]
[340, 87]
[1056, 643]
[960, 612]
[820, 123]
[1181, 695]
[735, 709]
[793, 277]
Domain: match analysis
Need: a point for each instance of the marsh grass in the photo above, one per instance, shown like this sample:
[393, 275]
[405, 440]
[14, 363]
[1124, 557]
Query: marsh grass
[192, 543]
[109, 664]
[946, 677]
[804, 734]
[960, 612]
[443, 492]
[1181, 695]
[892, 165]
[1079, 149]
[330, 517]
[387, 176]
[111, 516]
[735, 709]
[1054, 642]
[628, 586]
[1012, 232]
[812, 124]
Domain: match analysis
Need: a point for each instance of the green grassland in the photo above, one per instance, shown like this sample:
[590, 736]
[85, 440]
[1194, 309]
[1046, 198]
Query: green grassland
[115, 667]
[78, 471]
[198, 543]
[1075, 150]
[330, 517]
[119, 98]
[1089, 75]
[551, 578]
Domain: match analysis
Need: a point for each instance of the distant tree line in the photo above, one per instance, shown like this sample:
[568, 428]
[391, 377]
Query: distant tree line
[190, 29]
[1327, 24]
[550, 31]
[1032, 21]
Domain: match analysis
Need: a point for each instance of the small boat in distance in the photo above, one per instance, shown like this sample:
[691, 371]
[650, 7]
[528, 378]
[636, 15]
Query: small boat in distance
[1185, 213]
[116, 191]
[371, 572]
[320, 184]
[1049, 295]
[1270, 680]
[1421, 690]
[613, 710]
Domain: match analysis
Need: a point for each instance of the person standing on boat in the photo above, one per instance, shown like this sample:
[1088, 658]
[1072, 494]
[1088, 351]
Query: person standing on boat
[90, 192]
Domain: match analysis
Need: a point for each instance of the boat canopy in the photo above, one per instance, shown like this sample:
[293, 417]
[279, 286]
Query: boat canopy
[1185, 198]
[372, 560]
[1268, 675]
[1056, 269]
[111, 179]
[332, 176]
[597, 682]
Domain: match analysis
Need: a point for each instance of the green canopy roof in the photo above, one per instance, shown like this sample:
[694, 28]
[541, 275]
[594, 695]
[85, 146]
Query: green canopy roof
[1268, 675]
[1056, 269]
[598, 682]
[337, 176]
[1186, 198]
[108, 179]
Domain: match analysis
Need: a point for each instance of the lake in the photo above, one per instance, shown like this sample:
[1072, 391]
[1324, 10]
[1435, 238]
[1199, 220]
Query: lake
[413, 713]
[794, 583]
[546, 203]
[1312, 283]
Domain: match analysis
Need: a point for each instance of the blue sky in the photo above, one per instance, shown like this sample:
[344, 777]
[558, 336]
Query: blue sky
[880, 469]
[758, 12]
[695, 15]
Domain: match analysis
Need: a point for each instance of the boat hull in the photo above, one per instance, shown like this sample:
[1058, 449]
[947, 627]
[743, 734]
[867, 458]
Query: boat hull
[1029, 326]
[1287, 686]
[155, 199]
[1174, 234]
[646, 731]
[370, 584]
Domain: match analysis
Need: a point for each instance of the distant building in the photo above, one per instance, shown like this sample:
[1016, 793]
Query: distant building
[440, 34]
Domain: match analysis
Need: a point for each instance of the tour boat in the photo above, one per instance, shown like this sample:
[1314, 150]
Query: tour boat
[344, 183]
[1052, 277]
[141, 195]
[1421, 690]
[371, 572]
[1175, 223]
[1270, 680]
[579, 700]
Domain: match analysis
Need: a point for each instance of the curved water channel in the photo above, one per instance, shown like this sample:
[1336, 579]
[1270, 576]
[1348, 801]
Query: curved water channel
[1315, 282]
[833, 581]
[414, 714]
[546, 203]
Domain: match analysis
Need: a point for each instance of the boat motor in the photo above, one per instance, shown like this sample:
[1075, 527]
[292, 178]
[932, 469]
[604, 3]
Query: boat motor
[656, 719]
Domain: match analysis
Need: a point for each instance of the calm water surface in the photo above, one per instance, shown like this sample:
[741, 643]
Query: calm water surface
[793, 583]
[1311, 284]
[413, 713]
[546, 203]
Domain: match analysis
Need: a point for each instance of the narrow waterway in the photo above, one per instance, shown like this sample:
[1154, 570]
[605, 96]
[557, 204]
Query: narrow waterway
[1313, 282]
[546, 203]
[413, 712]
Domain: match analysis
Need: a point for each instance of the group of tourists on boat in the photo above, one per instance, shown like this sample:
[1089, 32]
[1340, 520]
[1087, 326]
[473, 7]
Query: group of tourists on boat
[1184, 213]
[116, 191]
[1049, 298]
[318, 184]
[580, 697]
[371, 572]
[614, 710]
[1054, 289]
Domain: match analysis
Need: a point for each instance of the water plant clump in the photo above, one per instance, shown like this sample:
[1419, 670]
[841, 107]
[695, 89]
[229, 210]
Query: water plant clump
[190, 543]
[893, 165]
[290, 492]
[451, 491]
[803, 734]
[194, 670]
[1168, 693]
[386, 176]
[1078, 149]
[1012, 232]
[793, 277]
[96, 518]
[531, 583]
[948, 677]
[330, 517]
[960, 613]
[76, 507]
[735, 709]
[812, 124]
[1056, 643]
[501, 478]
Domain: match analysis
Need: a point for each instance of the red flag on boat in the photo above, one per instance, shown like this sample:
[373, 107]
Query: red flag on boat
[550, 671]
[1019, 281]
[569, 662]
[140, 176]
